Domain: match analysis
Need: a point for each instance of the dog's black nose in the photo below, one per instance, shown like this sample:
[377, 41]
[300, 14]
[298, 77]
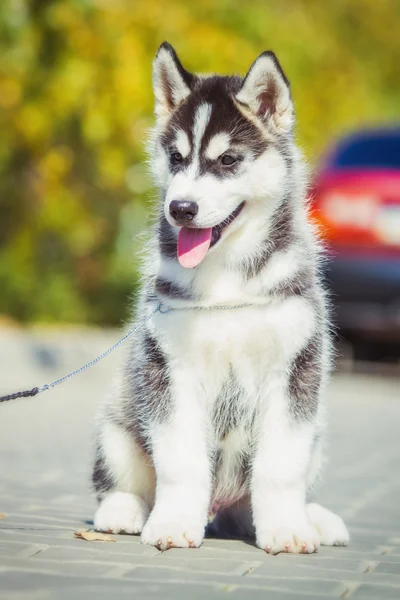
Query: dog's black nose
[183, 210]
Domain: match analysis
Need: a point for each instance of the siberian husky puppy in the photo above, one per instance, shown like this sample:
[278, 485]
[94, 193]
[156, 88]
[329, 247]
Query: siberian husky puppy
[218, 409]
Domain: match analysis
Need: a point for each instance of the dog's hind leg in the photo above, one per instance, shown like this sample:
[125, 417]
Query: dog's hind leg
[315, 467]
[236, 523]
[124, 481]
[331, 528]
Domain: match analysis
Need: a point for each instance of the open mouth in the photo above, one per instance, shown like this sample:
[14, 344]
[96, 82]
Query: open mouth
[218, 229]
[193, 243]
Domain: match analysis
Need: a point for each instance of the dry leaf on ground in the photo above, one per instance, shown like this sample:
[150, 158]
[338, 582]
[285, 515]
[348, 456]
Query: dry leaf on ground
[93, 536]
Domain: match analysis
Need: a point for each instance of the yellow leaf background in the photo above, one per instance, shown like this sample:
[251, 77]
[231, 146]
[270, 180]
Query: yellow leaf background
[76, 101]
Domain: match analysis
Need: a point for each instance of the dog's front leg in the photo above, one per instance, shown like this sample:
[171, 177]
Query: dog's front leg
[179, 449]
[279, 477]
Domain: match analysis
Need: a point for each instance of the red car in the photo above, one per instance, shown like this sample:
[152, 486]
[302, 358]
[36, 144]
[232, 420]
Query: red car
[356, 200]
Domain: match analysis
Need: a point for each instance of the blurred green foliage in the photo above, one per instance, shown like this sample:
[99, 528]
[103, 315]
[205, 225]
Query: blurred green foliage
[76, 101]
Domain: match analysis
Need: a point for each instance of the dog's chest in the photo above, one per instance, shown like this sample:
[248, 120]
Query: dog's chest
[249, 341]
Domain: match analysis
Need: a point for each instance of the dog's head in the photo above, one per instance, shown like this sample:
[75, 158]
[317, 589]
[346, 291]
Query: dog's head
[219, 148]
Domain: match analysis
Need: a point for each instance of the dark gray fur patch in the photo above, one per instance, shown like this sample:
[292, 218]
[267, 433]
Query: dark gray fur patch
[171, 289]
[282, 231]
[305, 381]
[282, 235]
[226, 416]
[166, 239]
[298, 285]
[102, 478]
[147, 396]
[284, 145]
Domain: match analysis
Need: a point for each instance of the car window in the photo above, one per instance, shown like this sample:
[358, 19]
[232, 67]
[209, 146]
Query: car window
[380, 151]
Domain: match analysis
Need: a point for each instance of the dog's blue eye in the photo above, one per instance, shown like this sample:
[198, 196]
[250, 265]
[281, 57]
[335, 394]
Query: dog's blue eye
[227, 160]
[176, 157]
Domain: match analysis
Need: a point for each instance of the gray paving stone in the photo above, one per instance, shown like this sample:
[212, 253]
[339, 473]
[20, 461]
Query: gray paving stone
[224, 552]
[284, 584]
[90, 569]
[314, 561]
[312, 571]
[63, 588]
[10, 550]
[70, 588]
[374, 592]
[98, 550]
[352, 577]
[389, 567]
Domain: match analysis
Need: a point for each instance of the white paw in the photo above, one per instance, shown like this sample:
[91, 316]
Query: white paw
[173, 534]
[331, 528]
[299, 539]
[121, 512]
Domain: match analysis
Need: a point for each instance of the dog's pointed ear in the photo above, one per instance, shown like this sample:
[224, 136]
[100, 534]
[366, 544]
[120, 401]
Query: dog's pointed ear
[266, 92]
[171, 82]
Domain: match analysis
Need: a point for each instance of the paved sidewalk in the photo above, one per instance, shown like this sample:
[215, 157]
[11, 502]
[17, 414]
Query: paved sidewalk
[45, 451]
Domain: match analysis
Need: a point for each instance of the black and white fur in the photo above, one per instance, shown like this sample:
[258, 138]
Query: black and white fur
[221, 410]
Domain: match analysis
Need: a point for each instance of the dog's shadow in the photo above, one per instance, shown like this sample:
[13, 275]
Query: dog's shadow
[218, 533]
[211, 534]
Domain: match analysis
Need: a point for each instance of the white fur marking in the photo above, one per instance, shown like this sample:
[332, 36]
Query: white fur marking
[201, 120]
[182, 143]
[218, 145]
[282, 265]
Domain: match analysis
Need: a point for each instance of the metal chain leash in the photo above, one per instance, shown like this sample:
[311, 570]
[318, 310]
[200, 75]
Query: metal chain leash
[161, 308]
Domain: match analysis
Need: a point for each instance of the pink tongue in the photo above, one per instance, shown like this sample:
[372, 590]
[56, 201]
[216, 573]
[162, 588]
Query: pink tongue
[193, 245]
